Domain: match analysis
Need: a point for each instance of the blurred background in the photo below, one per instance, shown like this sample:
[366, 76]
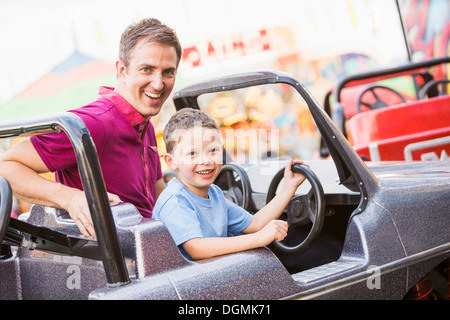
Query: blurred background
[56, 53]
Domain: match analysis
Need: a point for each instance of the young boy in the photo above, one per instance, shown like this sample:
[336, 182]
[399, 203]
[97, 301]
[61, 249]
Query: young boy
[201, 221]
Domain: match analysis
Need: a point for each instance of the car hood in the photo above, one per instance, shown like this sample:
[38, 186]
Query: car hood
[415, 195]
[420, 172]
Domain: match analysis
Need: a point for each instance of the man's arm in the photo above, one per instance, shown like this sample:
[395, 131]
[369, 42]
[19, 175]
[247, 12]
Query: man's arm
[160, 186]
[21, 166]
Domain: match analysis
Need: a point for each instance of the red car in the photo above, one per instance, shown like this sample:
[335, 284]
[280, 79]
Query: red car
[410, 122]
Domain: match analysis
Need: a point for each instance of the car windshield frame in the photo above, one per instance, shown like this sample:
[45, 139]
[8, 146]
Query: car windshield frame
[352, 172]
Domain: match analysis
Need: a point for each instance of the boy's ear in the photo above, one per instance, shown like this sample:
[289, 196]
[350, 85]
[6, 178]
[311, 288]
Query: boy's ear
[169, 161]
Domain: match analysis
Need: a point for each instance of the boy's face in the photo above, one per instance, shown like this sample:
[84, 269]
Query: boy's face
[197, 158]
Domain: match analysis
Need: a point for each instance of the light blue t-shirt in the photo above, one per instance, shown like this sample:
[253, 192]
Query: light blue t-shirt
[188, 216]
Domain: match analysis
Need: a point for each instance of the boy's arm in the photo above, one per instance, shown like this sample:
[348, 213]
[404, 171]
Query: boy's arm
[202, 248]
[275, 207]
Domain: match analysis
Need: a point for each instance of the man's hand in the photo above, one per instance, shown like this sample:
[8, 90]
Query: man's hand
[78, 209]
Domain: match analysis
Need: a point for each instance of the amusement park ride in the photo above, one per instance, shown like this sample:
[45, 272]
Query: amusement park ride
[372, 223]
[387, 220]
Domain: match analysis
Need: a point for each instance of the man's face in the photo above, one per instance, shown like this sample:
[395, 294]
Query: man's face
[149, 78]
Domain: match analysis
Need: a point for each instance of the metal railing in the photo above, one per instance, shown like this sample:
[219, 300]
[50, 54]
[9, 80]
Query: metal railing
[91, 178]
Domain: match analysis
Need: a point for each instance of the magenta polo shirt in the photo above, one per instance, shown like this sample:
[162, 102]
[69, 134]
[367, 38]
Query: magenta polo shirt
[126, 148]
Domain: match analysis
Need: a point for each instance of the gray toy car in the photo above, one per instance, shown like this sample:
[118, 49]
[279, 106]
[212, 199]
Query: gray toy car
[358, 230]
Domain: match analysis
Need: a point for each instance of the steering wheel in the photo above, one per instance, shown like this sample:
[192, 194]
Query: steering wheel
[379, 103]
[302, 210]
[5, 206]
[432, 84]
[234, 181]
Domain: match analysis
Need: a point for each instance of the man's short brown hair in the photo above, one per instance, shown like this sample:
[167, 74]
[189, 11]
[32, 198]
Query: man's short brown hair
[152, 29]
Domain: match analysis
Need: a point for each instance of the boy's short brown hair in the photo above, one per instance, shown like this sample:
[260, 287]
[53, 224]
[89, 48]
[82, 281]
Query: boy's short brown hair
[152, 29]
[185, 119]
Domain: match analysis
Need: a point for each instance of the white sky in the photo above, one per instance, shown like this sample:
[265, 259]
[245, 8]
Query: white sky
[37, 35]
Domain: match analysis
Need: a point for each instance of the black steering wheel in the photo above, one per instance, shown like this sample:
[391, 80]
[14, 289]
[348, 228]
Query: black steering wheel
[234, 181]
[379, 103]
[432, 86]
[302, 210]
[5, 206]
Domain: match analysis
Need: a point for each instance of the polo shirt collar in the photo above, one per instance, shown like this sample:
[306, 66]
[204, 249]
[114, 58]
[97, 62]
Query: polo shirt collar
[133, 116]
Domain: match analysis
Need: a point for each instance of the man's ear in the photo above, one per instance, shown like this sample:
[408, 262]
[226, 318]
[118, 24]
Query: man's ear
[120, 69]
[169, 161]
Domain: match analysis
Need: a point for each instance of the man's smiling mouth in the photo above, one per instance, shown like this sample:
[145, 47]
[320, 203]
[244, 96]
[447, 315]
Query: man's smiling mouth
[153, 95]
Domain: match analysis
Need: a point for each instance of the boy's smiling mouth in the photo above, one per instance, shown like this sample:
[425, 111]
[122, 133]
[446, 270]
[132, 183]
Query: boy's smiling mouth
[205, 172]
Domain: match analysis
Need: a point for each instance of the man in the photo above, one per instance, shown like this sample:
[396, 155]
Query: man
[119, 123]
